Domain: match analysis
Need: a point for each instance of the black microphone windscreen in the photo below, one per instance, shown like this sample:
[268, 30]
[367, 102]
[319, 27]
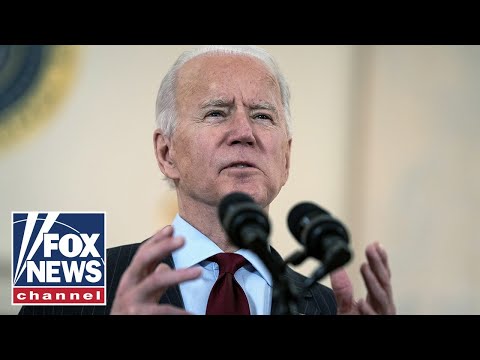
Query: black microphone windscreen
[302, 210]
[232, 199]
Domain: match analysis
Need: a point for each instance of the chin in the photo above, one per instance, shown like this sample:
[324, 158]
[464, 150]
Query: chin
[260, 196]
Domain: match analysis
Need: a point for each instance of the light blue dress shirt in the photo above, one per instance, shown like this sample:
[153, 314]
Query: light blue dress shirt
[254, 278]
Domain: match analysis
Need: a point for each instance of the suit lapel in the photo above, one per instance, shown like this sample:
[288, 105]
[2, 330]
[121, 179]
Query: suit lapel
[305, 304]
[172, 296]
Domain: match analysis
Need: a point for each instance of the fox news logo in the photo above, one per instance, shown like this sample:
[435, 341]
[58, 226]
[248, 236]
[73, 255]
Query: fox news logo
[58, 258]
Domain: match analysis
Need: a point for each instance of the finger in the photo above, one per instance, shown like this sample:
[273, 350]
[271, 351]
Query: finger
[163, 309]
[377, 265]
[343, 290]
[162, 267]
[364, 308]
[152, 288]
[148, 256]
[379, 298]
[143, 298]
[161, 235]
[166, 231]
[151, 309]
[383, 255]
[156, 284]
[172, 310]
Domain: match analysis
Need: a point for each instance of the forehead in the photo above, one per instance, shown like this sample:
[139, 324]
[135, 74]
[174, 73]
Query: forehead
[222, 72]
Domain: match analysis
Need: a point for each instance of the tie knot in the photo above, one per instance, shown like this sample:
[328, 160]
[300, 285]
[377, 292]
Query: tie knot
[229, 262]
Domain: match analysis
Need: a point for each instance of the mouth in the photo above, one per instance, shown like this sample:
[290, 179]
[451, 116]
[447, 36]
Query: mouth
[240, 165]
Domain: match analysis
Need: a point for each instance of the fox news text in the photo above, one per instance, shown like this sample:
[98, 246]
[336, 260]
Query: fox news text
[58, 258]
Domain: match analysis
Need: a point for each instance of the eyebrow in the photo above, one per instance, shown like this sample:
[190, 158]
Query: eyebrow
[217, 103]
[262, 105]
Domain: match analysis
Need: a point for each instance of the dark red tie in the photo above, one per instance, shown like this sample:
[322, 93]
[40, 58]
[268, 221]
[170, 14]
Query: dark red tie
[227, 296]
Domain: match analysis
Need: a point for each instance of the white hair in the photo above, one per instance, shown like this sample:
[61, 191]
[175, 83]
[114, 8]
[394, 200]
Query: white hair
[166, 112]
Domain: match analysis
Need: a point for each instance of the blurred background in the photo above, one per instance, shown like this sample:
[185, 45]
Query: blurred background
[385, 138]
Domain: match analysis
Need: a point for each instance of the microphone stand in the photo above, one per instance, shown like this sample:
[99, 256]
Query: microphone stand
[336, 256]
[283, 291]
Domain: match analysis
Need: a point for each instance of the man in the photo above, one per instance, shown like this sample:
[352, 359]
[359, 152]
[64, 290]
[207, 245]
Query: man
[223, 126]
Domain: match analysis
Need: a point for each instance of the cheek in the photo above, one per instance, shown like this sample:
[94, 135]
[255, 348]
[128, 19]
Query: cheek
[282, 159]
[195, 151]
[280, 149]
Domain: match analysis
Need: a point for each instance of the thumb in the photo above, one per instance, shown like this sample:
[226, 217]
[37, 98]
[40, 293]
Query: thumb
[343, 290]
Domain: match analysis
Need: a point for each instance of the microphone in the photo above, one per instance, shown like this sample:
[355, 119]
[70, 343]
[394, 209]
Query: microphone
[244, 221]
[247, 226]
[323, 237]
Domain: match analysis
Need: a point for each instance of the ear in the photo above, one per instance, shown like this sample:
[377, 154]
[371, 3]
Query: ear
[164, 154]
[288, 151]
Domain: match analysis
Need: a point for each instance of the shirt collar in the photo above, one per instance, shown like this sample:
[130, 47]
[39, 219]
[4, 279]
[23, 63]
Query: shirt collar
[198, 247]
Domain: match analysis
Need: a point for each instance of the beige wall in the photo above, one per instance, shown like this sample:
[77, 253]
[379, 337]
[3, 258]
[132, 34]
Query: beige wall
[421, 174]
[377, 141]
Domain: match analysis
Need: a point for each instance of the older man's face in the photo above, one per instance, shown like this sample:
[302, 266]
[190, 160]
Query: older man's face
[231, 133]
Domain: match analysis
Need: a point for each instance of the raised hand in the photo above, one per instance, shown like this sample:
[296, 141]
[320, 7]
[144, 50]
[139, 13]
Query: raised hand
[146, 279]
[377, 278]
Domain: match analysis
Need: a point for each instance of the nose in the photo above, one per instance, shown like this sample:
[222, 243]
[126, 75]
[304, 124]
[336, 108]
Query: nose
[241, 130]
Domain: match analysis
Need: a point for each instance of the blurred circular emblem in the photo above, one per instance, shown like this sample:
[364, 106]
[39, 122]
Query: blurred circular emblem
[34, 80]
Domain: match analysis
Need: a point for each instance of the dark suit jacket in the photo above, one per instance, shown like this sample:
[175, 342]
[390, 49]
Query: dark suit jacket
[316, 301]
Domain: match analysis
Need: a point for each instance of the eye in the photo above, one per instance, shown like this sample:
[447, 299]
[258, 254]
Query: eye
[215, 114]
[264, 117]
